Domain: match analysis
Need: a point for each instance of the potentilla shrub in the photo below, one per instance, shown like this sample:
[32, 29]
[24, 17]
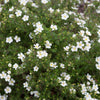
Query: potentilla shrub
[49, 50]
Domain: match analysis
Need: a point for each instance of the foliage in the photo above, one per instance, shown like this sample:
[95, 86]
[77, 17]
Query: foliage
[49, 50]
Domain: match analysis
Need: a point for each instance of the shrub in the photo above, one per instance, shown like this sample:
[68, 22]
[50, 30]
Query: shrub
[49, 50]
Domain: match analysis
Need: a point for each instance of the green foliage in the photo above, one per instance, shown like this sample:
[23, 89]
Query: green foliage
[77, 64]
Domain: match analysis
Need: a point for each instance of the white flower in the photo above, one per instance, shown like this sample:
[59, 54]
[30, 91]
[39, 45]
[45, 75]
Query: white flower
[64, 16]
[30, 35]
[98, 40]
[7, 78]
[15, 66]
[24, 9]
[48, 44]
[9, 72]
[88, 83]
[9, 65]
[59, 79]
[7, 90]
[0, 10]
[63, 83]
[29, 51]
[36, 94]
[80, 44]
[98, 59]
[98, 66]
[36, 68]
[32, 92]
[21, 56]
[45, 54]
[88, 46]
[28, 77]
[84, 90]
[95, 87]
[88, 33]
[98, 32]
[28, 24]
[25, 84]
[28, 88]
[23, 2]
[11, 15]
[53, 65]
[58, 10]
[51, 10]
[38, 24]
[80, 22]
[67, 53]
[34, 5]
[36, 46]
[6, 1]
[53, 27]
[98, 26]
[98, 10]
[70, 13]
[74, 35]
[63, 74]
[81, 33]
[11, 9]
[25, 18]
[3, 75]
[44, 1]
[9, 40]
[39, 29]
[41, 54]
[88, 96]
[18, 13]
[66, 48]
[3, 97]
[11, 82]
[88, 76]
[74, 48]
[62, 65]
[92, 80]
[86, 39]
[17, 39]
[67, 77]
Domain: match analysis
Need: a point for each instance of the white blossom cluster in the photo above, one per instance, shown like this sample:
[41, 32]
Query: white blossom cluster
[28, 88]
[41, 54]
[84, 44]
[38, 29]
[7, 77]
[18, 12]
[87, 88]
[10, 39]
[15, 66]
[64, 77]
[54, 65]
[80, 22]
